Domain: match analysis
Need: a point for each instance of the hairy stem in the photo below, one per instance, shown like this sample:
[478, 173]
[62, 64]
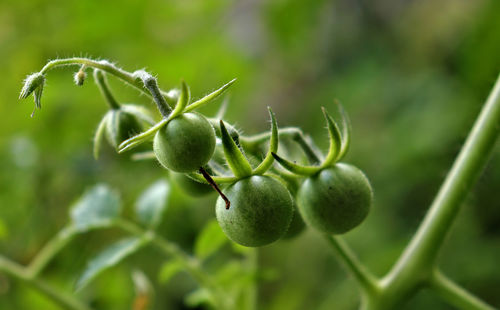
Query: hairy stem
[454, 294]
[19, 272]
[368, 282]
[108, 67]
[102, 83]
[415, 265]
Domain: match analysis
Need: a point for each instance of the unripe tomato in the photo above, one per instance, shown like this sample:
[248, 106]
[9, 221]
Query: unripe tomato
[260, 213]
[120, 126]
[190, 186]
[297, 225]
[336, 199]
[186, 143]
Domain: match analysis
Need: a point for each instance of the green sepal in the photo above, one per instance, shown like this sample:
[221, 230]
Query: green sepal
[346, 131]
[273, 146]
[296, 168]
[237, 162]
[335, 140]
[142, 137]
[183, 100]
[223, 108]
[99, 135]
[203, 101]
[37, 95]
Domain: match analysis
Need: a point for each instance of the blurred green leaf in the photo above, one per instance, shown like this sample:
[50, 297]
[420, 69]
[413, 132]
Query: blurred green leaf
[210, 239]
[98, 207]
[197, 298]
[108, 258]
[152, 203]
[168, 270]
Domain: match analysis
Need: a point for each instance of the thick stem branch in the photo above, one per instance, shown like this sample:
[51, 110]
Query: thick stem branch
[417, 262]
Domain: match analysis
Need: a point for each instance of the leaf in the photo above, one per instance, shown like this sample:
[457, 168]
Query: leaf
[150, 206]
[197, 298]
[108, 258]
[169, 269]
[209, 240]
[98, 207]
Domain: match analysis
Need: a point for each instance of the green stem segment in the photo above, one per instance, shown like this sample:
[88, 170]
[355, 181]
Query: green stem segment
[43, 258]
[456, 295]
[366, 280]
[19, 272]
[190, 264]
[417, 262]
[102, 83]
[108, 67]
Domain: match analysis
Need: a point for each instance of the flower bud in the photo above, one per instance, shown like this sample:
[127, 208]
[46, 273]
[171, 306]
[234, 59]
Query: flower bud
[31, 83]
[79, 77]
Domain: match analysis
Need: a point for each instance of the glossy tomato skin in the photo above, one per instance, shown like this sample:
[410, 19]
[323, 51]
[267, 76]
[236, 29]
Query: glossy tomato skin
[260, 213]
[186, 143]
[336, 199]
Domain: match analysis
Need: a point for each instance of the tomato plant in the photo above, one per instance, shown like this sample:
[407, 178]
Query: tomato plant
[257, 198]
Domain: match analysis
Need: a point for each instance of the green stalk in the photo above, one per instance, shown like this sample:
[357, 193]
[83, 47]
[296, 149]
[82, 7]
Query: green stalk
[415, 266]
[43, 258]
[19, 272]
[368, 282]
[102, 83]
[108, 67]
[456, 295]
[190, 264]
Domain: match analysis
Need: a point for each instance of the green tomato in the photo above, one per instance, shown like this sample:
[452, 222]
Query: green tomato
[260, 213]
[336, 199]
[190, 186]
[297, 225]
[120, 126]
[186, 143]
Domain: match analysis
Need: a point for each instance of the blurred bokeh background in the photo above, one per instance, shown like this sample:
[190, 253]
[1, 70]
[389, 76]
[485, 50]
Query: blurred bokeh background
[412, 75]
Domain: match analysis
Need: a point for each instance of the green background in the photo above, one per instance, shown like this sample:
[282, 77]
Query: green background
[411, 74]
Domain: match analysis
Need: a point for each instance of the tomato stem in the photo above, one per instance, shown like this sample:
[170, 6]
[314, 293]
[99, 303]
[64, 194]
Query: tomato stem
[102, 83]
[212, 183]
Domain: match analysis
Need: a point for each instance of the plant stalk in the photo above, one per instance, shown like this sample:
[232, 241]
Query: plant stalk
[454, 294]
[368, 282]
[19, 272]
[415, 266]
